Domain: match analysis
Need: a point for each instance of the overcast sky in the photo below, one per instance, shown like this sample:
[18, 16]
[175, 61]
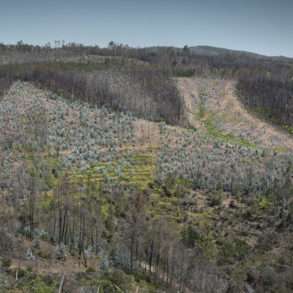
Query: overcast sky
[261, 26]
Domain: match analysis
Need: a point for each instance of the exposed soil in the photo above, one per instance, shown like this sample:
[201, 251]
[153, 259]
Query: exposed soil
[228, 114]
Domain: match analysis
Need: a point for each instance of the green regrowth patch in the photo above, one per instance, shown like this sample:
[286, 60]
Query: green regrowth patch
[225, 137]
[167, 209]
[216, 133]
[281, 149]
[201, 111]
[289, 128]
[136, 169]
[43, 165]
[35, 284]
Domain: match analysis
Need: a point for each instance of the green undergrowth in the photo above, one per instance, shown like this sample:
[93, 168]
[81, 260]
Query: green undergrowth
[30, 282]
[281, 149]
[289, 129]
[136, 169]
[206, 117]
[115, 281]
[224, 136]
[43, 165]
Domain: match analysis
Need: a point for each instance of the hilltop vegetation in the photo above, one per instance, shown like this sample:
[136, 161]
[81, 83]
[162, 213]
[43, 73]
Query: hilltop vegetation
[264, 83]
[146, 91]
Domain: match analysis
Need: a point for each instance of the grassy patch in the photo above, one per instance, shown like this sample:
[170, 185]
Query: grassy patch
[225, 137]
[213, 131]
[136, 169]
[288, 128]
[281, 149]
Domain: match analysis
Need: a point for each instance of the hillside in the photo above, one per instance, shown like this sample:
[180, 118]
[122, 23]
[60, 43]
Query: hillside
[145, 170]
[89, 184]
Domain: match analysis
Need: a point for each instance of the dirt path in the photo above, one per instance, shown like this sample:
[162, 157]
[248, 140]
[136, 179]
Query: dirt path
[228, 114]
[189, 89]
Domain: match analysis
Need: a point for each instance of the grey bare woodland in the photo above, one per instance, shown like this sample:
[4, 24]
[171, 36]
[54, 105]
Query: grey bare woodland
[145, 170]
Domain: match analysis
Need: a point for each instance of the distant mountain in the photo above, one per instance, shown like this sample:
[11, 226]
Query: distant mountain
[216, 52]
